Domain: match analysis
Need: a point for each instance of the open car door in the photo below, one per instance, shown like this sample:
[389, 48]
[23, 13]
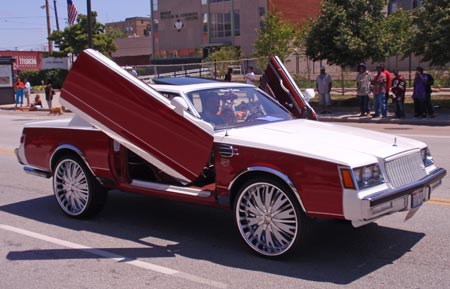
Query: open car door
[277, 82]
[137, 116]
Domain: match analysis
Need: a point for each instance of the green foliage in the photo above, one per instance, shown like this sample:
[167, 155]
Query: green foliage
[432, 40]
[74, 39]
[398, 33]
[56, 76]
[275, 37]
[347, 32]
[223, 58]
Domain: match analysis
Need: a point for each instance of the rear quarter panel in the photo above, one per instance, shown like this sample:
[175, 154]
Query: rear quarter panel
[41, 143]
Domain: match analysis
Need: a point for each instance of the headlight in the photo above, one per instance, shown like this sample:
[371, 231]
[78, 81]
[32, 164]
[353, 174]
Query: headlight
[368, 176]
[426, 157]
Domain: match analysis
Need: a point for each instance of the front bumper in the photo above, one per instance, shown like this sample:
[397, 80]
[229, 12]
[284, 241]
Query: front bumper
[432, 180]
[391, 200]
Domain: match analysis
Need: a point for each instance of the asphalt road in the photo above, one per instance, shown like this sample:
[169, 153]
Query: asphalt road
[141, 242]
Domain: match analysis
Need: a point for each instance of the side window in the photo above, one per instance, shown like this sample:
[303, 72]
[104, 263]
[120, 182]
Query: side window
[169, 95]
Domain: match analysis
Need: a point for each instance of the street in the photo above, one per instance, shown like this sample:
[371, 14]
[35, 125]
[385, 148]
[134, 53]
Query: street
[142, 242]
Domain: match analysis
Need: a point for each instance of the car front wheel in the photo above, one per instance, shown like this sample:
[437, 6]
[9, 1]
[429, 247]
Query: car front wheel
[269, 218]
[77, 191]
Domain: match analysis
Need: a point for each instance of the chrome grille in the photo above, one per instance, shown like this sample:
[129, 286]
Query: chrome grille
[405, 170]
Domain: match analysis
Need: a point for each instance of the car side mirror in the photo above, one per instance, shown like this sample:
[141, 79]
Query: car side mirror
[180, 104]
[309, 94]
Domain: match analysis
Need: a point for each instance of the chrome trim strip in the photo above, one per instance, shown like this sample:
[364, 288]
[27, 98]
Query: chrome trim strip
[37, 172]
[324, 213]
[392, 194]
[74, 149]
[273, 172]
[172, 189]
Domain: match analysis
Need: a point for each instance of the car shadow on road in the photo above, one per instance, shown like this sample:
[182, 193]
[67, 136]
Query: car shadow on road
[339, 254]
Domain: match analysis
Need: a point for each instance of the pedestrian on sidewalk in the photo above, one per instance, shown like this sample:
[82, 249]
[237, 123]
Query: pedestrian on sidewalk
[379, 93]
[363, 80]
[398, 90]
[323, 86]
[27, 91]
[49, 93]
[429, 81]
[419, 94]
[19, 86]
[388, 84]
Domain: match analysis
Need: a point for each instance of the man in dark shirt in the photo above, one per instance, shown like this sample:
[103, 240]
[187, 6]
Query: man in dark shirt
[398, 89]
[429, 81]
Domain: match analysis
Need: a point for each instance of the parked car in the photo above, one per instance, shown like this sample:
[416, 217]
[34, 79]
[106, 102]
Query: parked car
[226, 145]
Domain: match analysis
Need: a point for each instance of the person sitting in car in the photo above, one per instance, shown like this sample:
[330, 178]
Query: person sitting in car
[211, 109]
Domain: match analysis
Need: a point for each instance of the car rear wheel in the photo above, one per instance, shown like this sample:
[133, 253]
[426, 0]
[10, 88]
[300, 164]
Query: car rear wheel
[77, 191]
[269, 218]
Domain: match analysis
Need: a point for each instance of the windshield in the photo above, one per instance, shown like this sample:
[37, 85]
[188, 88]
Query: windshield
[236, 107]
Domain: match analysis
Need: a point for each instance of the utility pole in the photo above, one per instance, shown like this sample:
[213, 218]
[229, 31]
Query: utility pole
[49, 29]
[152, 25]
[56, 15]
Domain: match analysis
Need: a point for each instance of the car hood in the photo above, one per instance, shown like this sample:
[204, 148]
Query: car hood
[329, 142]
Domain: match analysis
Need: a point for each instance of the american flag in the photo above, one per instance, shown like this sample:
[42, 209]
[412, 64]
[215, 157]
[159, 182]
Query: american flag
[71, 12]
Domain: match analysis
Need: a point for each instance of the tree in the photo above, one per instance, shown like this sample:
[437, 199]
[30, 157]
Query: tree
[398, 30]
[224, 57]
[74, 39]
[432, 40]
[275, 37]
[347, 32]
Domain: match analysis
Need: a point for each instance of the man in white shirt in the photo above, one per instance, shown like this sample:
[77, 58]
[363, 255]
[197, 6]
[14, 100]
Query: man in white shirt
[27, 91]
[323, 86]
[250, 77]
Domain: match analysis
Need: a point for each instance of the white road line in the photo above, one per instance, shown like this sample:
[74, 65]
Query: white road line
[116, 257]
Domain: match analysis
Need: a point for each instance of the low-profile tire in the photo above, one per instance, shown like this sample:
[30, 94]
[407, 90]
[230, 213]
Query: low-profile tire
[269, 217]
[76, 190]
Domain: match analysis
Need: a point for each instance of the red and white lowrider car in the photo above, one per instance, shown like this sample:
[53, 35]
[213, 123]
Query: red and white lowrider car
[227, 145]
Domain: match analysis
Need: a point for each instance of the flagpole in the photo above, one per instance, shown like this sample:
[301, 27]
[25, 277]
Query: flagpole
[89, 20]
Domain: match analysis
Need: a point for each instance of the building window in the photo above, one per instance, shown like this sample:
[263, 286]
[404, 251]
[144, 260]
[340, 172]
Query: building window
[217, 1]
[220, 25]
[237, 23]
[262, 11]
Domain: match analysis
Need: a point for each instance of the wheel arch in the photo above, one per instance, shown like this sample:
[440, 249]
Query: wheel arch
[67, 149]
[254, 171]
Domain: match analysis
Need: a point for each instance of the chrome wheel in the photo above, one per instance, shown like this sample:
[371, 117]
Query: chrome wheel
[71, 187]
[77, 191]
[267, 218]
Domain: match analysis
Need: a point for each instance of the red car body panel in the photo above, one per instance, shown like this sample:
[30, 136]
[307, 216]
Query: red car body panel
[93, 144]
[315, 180]
[115, 100]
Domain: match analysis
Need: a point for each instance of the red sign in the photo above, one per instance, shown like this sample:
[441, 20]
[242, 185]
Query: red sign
[25, 60]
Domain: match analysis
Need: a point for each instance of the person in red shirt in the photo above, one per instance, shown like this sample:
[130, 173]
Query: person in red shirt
[18, 88]
[388, 83]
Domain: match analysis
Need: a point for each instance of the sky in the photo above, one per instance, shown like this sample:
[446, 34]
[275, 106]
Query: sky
[23, 23]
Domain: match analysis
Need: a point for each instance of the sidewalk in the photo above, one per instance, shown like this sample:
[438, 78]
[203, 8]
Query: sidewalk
[338, 114]
[11, 107]
[352, 115]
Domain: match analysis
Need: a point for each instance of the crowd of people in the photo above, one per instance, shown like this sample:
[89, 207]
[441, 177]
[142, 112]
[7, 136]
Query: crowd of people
[22, 90]
[383, 86]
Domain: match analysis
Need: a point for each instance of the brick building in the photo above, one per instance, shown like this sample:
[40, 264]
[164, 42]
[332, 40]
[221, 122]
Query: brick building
[193, 28]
